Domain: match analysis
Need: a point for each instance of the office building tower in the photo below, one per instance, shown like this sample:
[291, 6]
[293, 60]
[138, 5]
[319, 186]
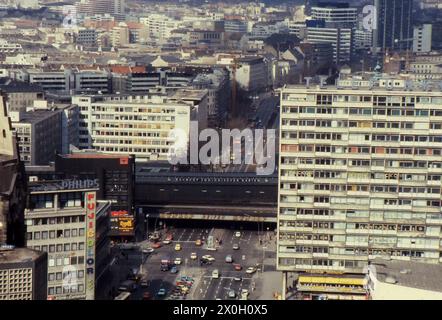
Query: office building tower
[360, 175]
[64, 219]
[394, 25]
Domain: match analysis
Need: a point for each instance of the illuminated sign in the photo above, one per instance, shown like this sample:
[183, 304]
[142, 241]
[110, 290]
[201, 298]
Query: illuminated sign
[126, 224]
[90, 201]
[119, 213]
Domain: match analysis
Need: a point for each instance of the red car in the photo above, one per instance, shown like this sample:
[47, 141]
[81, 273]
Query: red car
[169, 237]
[237, 267]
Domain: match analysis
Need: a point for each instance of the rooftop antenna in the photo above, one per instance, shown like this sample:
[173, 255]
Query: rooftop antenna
[307, 81]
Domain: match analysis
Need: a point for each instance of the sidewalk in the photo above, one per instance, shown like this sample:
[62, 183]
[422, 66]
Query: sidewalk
[270, 282]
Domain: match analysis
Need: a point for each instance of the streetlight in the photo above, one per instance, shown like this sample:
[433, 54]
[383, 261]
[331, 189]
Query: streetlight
[147, 226]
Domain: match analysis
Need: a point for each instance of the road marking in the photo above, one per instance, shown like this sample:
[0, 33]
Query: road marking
[232, 278]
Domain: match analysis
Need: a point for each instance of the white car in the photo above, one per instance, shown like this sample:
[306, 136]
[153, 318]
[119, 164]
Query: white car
[177, 261]
[193, 256]
[251, 270]
[148, 250]
[215, 274]
[208, 257]
[237, 234]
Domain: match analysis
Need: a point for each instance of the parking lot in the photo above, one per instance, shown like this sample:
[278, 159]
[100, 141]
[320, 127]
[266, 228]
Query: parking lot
[251, 253]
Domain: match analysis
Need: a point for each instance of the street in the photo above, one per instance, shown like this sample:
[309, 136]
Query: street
[252, 252]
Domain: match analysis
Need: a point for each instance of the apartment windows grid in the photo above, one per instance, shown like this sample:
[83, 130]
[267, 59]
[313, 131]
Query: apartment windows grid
[359, 178]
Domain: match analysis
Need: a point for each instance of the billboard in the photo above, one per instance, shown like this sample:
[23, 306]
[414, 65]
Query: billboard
[90, 201]
[121, 223]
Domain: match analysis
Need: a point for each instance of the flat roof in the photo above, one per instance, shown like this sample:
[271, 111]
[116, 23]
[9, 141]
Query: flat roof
[420, 275]
[36, 115]
[18, 255]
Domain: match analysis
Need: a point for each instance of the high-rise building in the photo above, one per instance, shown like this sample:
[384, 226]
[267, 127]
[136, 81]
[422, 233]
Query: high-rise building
[360, 176]
[394, 25]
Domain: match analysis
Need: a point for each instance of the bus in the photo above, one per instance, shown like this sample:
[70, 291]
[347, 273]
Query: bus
[123, 296]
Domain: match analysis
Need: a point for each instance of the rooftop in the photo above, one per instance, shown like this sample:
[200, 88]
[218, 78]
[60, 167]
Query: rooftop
[18, 255]
[410, 274]
[9, 85]
[37, 115]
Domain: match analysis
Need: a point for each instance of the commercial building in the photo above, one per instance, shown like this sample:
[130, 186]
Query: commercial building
[20, 95]
[87, 37]
[394, 28]
[422, 36]
[340, 13]
[138, 125]
[360, 175]
[39, 134]
[64, 219]
[12, 184]
[23, 274]
[252, 73]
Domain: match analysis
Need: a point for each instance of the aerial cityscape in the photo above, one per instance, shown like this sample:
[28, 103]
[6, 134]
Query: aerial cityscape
[217, 150]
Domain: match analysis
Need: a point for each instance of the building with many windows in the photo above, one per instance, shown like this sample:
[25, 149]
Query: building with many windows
[64, 219]
[23, 274]
[139, 125]
[360, 175]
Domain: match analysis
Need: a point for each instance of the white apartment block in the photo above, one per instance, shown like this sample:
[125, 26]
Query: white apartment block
[360, 175]
[422, 36]
[138, 125]
[160, 26]
[332, 14]
[340, 38]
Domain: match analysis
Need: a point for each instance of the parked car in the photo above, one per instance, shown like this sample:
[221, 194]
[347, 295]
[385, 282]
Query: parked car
[177, 261]
[238, 234]
[237, 279]
[174, 270]
[177, 247]
[237, 267]
[198, 242]
[229, 258]
[193, 256]
[148, 250]
[232, 294]
[167, 242]
[215, 274]
[235, 246]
